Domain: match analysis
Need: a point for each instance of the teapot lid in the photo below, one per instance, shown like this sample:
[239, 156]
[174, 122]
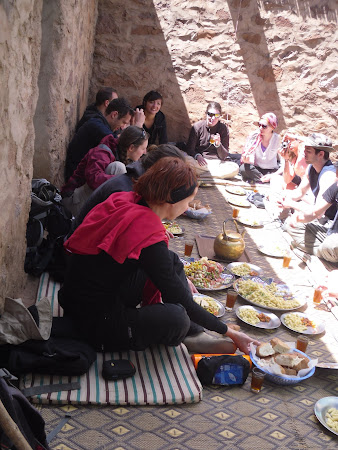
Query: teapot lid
[233, 236]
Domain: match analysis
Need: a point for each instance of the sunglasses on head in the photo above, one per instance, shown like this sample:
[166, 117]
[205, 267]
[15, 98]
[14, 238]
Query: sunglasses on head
[143, 136]
[210, 114]
[262, 125]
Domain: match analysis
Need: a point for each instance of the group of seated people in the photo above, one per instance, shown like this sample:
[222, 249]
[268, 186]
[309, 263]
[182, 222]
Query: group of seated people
[120, 185]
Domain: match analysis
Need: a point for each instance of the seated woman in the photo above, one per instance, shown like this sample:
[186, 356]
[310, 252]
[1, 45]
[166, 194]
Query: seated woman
[293, 158]
[260, 154]
[154, 123]
[109, 158]
[120, 253]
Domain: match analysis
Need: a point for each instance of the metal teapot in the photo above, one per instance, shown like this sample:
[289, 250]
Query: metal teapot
[230, 244]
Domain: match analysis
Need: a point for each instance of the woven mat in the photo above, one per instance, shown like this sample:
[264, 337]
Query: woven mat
[164, 375]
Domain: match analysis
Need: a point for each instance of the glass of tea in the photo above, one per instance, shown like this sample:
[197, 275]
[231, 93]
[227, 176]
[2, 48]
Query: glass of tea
[302, 342]
[257, 380]
[231, 299]
[317, 295]
[286, 260]
[235, 213]
[188, 246]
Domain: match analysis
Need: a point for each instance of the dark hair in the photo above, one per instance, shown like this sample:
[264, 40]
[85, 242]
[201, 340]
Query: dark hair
[104, 94]
[161, 151]
[151, 96]
[167, 175]
[326, 154]
[131, 135]
[214, 105]
[120, 105]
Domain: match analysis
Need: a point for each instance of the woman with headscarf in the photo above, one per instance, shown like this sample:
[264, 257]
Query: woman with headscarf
[260, 154]
[120, 258]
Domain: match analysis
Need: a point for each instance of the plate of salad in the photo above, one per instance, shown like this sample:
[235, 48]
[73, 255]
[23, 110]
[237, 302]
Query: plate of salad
[208, 275]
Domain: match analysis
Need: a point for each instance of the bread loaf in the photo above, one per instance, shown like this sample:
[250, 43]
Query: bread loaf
[279, 346]
[264, 350]
[288, 359]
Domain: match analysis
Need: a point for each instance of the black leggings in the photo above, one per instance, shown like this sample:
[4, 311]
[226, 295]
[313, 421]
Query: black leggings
[250, 172]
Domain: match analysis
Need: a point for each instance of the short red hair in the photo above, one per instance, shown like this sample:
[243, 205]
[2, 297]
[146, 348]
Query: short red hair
[167, 175]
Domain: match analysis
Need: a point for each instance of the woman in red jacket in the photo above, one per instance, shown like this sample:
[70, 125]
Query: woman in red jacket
[120, 258]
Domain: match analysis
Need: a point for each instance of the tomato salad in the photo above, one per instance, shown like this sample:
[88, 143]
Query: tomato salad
[205, 273]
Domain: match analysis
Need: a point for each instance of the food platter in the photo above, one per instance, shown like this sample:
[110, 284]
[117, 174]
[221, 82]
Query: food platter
[255, 270]
[321, 408]
[205, 301]
[239, 201]
[237, 190]
[249, 221]
[173, 227]
[208, 275]
[273, 323]
[275, 250]
[257, 291]
[319, 325]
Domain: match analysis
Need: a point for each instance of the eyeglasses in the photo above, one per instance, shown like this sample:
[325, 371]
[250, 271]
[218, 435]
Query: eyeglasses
[210, 114]
[262, 125]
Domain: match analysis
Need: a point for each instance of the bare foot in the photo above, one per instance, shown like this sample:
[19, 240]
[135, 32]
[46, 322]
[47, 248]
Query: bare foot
[204, 343]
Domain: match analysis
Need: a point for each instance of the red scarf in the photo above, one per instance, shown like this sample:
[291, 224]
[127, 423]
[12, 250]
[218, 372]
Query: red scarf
[120, 227]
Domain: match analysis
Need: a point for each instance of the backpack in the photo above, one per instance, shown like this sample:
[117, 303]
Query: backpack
[26, 417]
[48, 226]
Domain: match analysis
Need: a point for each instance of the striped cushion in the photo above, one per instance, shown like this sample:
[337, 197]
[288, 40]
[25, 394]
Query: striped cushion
[164, 375]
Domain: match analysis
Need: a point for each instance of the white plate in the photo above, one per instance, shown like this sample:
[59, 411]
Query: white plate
[176, 233]
[274, 322]
[221, 309]
[238, 201]
[321, 408]
[237, 190]
[283, 290]
[320, 326]
[277, 251]
[254, 268]
[249, 221]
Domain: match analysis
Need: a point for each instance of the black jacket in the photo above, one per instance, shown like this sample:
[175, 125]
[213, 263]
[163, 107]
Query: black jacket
[90, 112]
[158, 130]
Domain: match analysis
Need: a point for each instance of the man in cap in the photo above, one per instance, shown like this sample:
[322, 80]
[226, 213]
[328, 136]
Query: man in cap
[320, 215]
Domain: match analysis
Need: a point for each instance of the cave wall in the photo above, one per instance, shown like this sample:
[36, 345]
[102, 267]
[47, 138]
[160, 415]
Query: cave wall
[251, 56]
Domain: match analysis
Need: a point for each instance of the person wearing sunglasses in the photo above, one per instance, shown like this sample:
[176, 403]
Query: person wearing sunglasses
[260, 155]
[209, 139]
[101, 163]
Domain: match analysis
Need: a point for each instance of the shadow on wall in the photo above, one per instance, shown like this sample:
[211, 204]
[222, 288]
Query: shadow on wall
[124, 59]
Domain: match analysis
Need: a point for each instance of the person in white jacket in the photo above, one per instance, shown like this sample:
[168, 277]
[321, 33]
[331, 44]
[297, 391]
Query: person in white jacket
[260, 154]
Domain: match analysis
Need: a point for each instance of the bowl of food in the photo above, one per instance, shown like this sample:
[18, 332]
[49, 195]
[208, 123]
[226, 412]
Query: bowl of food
[281, 363]
[197, 211]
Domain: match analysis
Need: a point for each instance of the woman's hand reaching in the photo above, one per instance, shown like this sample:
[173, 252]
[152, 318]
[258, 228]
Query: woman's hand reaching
[241, 340]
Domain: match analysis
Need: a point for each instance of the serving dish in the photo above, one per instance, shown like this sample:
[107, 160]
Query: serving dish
[208, 275]
[283, 300]
[173, 227]
[239, 201]
[201, 299]
[249, 221]
[321, 408]
[237, 190]
[255, 270]
[273, 323]
[275, 250]
[319, 324]
[280, 379]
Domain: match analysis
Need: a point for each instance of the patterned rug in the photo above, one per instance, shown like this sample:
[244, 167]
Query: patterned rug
[280, 417]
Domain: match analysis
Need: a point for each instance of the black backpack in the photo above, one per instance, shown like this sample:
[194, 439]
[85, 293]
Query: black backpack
[26, 417]
[48, 226]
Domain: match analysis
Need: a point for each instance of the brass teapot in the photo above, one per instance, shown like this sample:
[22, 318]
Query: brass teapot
[230, 244]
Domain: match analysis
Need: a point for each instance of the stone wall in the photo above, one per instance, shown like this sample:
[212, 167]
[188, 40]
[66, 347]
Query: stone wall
[20, 37]
[68, 29]
[252, 56]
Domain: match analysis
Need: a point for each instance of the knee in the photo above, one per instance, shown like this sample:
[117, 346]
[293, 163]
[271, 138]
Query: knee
[179, 323]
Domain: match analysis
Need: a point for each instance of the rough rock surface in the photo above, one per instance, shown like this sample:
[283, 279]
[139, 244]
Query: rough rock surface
[283, 58]
[19, 68]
